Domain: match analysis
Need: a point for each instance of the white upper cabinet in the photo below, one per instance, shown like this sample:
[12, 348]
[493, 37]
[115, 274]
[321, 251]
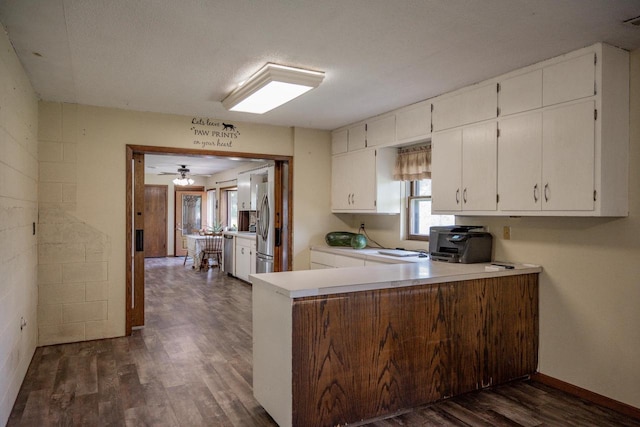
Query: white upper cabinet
[466, 106]
[520, 162]
[520, 93]
[413, 123]
[357, 137]
[571, 79]
[464, 169]
[550, 139]
[479, 167]
[244, 191]
[381, 131]
[446, 171]
[339, 141]
[362, 181]
[568, 155]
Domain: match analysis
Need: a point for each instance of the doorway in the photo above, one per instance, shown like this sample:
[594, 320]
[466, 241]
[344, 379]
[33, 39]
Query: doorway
[136, 226]
[190, 214]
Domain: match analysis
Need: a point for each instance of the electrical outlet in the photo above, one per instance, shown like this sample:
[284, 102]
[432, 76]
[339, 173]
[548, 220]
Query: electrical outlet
[362, 225]
[506, 233]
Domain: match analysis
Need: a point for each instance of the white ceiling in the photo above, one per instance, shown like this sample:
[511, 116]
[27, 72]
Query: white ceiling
[185, 56]
[158, 164]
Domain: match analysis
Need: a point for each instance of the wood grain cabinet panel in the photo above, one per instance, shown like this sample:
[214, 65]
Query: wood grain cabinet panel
[365, 354]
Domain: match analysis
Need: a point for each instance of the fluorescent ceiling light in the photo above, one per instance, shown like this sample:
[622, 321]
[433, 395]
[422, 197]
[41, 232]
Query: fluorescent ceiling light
[271, 87]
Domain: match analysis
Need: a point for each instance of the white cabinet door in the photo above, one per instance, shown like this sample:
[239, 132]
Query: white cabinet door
[414, 123]
[520, 163]
[446, 171]
[568, 157]
[357, 137]
[362, 177]
[243, 259]
[244, 192]
[571, 79]
[477, 104]
[339, 141]
[353, 181]
[479, 167]
[520, 93]
[381, 131]
[340, 182]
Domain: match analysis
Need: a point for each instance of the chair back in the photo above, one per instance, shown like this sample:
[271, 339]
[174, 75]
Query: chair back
[213, 243]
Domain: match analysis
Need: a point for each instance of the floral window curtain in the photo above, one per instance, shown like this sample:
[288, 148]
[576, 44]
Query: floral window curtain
[413, 163]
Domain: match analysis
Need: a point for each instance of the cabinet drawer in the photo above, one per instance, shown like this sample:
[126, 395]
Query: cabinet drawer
[569, 80]
[347, 261]
[323, 258]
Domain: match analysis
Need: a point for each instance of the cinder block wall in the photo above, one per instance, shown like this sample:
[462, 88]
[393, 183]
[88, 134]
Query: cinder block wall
[73, 256]
[18, 213]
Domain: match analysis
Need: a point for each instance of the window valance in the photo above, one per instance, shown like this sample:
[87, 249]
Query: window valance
[413, 163]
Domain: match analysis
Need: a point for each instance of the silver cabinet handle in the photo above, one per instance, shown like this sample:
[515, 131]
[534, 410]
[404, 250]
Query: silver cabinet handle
[464, 195]
[546, 192]
[535, 193]
[353, 198]
[458, 196]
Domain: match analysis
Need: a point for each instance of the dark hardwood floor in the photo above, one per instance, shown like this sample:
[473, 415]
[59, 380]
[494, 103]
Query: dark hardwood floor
[191, 365]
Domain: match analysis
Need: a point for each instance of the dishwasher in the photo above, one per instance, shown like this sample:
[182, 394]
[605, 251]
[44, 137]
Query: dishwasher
[227, 255]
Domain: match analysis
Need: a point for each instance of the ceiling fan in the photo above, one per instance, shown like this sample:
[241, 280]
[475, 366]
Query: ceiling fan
[185, 176]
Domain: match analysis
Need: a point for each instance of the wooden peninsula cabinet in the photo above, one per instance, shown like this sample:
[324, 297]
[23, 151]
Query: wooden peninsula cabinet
[339, 346]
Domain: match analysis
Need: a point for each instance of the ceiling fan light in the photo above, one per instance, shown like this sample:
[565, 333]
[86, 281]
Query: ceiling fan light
[273, 85]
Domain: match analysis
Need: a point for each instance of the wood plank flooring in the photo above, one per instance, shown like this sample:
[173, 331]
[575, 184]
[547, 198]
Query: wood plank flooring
[191, 366]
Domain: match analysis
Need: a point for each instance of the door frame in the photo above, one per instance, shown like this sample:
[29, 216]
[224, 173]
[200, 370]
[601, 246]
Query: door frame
[286, 258]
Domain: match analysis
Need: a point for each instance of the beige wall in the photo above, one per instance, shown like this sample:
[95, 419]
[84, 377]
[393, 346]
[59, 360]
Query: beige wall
[18, 211]
[312, 194]
[82, 247]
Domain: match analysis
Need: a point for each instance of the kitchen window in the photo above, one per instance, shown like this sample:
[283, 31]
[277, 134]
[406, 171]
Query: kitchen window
[419, 217]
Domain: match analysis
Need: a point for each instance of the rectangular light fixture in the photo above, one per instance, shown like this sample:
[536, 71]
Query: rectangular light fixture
[272, 86]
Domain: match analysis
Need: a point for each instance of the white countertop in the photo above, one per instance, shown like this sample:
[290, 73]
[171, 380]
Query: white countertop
[371, 254]
[303, 283]
[241, 234]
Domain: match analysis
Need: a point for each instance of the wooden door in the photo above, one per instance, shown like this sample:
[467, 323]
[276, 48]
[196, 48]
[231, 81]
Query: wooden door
[191, 214]
[155, 221]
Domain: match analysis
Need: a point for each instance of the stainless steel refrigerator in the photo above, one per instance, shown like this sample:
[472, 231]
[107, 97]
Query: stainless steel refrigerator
[265, 223]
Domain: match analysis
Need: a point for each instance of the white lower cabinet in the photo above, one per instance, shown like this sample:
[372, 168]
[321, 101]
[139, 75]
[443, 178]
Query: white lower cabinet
[243, 259]
[464, 169]
[321, 260]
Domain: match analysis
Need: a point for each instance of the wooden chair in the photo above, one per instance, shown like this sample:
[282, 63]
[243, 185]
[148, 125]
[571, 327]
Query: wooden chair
[212, 248]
